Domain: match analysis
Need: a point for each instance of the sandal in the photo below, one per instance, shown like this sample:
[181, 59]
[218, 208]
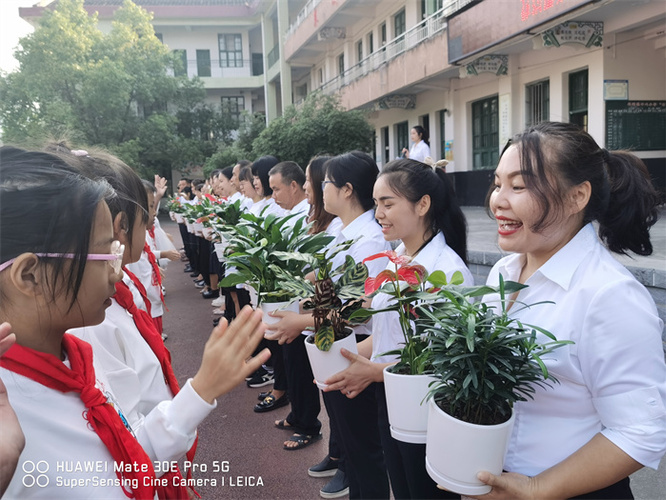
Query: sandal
[286, 426]
[302, 440]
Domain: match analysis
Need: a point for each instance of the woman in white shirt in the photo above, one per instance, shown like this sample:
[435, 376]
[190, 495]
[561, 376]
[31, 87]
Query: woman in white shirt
[416, 205]
[420, 149]
[605, 419]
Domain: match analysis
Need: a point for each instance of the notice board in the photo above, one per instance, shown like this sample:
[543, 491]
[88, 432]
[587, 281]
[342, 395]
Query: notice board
[636, 125]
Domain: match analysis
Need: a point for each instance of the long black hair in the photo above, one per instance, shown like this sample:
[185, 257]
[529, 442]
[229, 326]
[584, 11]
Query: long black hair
[46, 206]
[413, 180]
[556, 156]
[358, 169]
[260, 168]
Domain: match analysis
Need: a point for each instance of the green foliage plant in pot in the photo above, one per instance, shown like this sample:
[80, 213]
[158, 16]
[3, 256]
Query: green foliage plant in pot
[406, 382]
[484, 362]
[223, 220]
[332, 298]
[262, 248]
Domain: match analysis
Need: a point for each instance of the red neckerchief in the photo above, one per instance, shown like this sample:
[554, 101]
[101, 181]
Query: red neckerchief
[141, 288]
[144, 323]
[157, 277]
[49, 371]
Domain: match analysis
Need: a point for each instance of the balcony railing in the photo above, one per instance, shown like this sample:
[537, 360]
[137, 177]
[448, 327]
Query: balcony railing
[427, 28]
[273, 56]
[302, 16]
[231, 69]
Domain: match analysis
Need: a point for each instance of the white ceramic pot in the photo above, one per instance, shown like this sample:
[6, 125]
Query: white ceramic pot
[219, 250]
[327, 363]
[172, 216]
[407, 406]
[198, 228]
[269, 307]
[179, 219]
[190, 227]
[457, 451]
[208, 232]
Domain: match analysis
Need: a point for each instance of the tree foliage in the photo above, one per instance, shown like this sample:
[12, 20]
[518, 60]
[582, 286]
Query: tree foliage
[114, 90]
[319, 124]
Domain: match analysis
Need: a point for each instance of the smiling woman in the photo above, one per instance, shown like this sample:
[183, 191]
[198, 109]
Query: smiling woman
[577, 438]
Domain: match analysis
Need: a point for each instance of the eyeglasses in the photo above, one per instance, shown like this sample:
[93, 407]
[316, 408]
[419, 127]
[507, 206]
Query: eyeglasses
[323, 184]
[114, 257]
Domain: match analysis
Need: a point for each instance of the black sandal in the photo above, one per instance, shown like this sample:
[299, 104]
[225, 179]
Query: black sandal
[302, 440]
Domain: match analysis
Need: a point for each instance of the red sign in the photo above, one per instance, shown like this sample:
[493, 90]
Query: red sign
[486, 23]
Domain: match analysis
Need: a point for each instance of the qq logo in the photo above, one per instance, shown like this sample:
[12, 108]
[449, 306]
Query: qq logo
[35, 474]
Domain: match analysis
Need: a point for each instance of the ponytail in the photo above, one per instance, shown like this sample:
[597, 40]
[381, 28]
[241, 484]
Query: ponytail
[413, 180]
[632, 205]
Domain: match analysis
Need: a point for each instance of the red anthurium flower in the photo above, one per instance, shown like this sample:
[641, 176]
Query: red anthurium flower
[374, 284]
[414, 275]
[392, 256]
[202, 219]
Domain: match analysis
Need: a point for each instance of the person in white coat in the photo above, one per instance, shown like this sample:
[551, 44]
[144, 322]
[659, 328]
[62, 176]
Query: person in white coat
[420, 148]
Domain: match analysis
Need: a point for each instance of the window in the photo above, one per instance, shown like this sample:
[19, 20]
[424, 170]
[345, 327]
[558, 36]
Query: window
[321, 76]
[203, 62]
[180, 62]
[578, 98]
[485, 133]
[382, 31]
[537, 102]
[399, 25]
[233, 106]
[359, 51]
[341, 63]
[231, 51]
[402, 136]
[386, 154]
[257, 64]
[371, 40]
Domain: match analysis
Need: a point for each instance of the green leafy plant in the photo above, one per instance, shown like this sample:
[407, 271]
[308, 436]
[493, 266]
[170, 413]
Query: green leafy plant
[483, 359]
[409, 285]
[263, 248]
[225, 217]
[333, 297]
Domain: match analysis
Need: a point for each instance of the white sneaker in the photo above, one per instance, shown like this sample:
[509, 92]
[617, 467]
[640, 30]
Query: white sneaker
[218, 302]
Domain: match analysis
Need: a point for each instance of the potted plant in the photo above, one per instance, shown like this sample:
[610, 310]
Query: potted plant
[222, 221]
[332, 298]
[484, 362]
[406, 383]
[176, 209]
[261, 248]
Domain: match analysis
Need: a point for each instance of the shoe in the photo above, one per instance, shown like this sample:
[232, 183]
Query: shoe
[216, 321]
[218, 302]
[336, 487]
[218, 312]
[211, 294]
[271, 403]
[164, 336]
[326, 468]
[199, 284]
[260, 380]
[188, 269]
[194, 274]
[264, 395]
[302, 440]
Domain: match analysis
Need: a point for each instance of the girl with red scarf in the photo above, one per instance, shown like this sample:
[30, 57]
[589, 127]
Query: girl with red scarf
[55, 276]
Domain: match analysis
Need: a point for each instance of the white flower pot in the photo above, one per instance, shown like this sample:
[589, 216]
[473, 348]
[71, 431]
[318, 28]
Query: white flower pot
[190, 227]
[208, 232]
[219, 250]
[269, 307]
[172, 216]
[457, 451]
[179, 219]
[198, 228]
[327, 363]
[406, 404]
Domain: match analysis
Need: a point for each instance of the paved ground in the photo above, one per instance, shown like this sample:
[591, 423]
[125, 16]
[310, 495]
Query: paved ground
[242, 448]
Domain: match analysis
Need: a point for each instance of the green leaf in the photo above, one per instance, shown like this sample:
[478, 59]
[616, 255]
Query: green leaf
[325, 337]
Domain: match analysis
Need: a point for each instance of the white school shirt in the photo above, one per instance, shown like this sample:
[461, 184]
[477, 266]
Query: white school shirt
[143, 270]
[612, 380]
[273, 208]
[136, 378]
[386, 332]
[161, 242]
[419, 151]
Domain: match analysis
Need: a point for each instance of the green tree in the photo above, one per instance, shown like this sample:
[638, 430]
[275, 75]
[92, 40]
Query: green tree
[320, 124]
[115, 90]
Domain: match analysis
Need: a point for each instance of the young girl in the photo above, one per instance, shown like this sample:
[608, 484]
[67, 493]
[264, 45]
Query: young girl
[54, 276]
[416, 205]
[420, 149]
[260, 169]
[605, 419]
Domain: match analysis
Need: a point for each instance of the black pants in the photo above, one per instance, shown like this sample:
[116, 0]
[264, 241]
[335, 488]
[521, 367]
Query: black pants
[405, 461]
[356, 423]
[618, 491]
[203, 246]
[280, 382]
[334, 448]
[303, 393]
